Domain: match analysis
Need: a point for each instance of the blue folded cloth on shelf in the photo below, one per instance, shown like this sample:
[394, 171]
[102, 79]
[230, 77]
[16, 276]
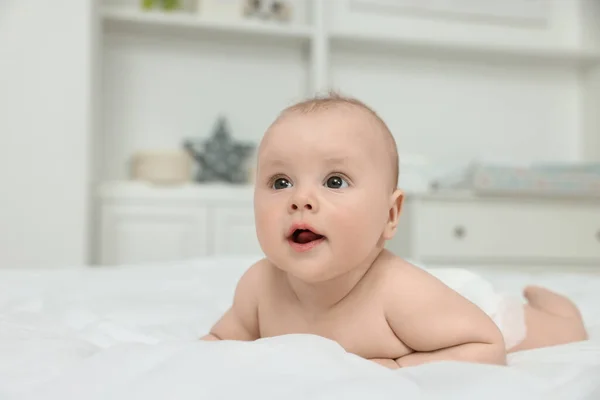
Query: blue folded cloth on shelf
[582, 180]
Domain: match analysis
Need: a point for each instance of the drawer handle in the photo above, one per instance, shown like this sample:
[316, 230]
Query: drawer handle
[598, 235]
[460, 232]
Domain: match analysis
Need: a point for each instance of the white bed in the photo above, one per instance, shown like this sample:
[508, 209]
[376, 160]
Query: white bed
[131, 332]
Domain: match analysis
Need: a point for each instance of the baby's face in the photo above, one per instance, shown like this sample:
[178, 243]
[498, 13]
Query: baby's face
[323, 193]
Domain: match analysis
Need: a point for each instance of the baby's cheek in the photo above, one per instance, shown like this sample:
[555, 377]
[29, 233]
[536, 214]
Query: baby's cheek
[264, 220]
[361, 223]
[352, 223]
[266, 232]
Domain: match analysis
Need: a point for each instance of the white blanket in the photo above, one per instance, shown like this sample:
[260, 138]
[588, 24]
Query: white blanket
[131, 333]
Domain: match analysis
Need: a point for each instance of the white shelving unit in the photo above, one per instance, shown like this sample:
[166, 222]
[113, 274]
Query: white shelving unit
[444, 48]
[479, 86]
[311, 38]
[334, 45]
[320, 40]
[349, 45]
[148, 21]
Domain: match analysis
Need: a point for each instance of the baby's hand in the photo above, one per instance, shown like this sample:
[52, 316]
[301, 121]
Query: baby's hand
[209, 337]
[386, 362]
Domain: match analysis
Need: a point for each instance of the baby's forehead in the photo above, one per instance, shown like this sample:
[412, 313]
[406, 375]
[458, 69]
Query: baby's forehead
[325, 141]
[343, 126]
[348, 125]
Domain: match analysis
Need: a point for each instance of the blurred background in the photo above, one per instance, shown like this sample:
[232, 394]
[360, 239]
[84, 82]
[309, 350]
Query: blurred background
[127, 128]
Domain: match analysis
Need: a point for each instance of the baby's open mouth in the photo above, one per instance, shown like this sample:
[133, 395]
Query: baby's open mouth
[303, 236]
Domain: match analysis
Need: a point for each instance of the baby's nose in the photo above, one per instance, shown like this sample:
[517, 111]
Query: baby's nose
[303, 201]
[301, 204]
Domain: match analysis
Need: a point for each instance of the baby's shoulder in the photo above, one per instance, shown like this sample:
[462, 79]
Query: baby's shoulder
[390, 266]
[400, 276]
[258, 273]
[256, 278]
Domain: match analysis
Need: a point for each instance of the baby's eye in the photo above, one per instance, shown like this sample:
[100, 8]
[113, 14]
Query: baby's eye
[336, 182]
[281, 183]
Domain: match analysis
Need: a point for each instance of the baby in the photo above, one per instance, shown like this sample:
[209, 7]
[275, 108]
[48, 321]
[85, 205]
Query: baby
[326, 201]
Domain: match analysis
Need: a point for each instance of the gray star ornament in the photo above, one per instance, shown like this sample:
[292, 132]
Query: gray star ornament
[220, 158]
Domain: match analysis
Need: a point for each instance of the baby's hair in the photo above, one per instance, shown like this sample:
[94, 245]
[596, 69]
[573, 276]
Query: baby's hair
[335, 99]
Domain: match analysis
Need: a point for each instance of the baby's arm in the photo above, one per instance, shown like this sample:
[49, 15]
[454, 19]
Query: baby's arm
[240, 321]
[438, 323]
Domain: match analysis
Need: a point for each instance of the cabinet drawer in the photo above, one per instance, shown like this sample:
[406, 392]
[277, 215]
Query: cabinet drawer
[235, 232]
[140, 234]
[503, 230]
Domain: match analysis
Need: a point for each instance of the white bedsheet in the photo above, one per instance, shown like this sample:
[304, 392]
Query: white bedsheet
[131, 333]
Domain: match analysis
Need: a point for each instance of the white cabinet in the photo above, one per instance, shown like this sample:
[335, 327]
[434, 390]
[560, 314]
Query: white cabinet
[463, 229]
[143, 223]
[234, 230]
[138, 233]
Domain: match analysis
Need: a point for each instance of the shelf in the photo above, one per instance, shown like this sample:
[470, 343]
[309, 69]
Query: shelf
[149, 21]
[436, 48]
[124, 18]
[138, 190]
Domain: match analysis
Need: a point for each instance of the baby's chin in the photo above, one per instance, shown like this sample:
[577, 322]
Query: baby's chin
[310, 271]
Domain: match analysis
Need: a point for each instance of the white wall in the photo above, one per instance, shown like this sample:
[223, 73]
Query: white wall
[44, 132]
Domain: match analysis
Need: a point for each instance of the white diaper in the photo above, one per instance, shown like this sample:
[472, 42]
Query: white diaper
[506, 311]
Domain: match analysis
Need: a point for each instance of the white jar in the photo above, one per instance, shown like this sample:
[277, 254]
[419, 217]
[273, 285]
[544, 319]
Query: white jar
[165, 167]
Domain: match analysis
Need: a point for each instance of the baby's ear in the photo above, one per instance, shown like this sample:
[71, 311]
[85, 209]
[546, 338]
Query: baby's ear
[396, 201]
